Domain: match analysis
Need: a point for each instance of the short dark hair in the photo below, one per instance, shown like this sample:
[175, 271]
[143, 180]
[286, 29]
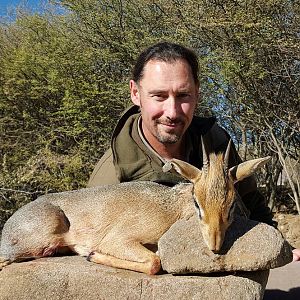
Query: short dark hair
[168, 52]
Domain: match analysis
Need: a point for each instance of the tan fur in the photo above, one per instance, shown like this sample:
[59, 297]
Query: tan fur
[111, 224]
[215, 194]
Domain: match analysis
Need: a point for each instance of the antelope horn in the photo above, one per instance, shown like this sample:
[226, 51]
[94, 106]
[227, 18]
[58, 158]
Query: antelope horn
[226, 157]
[204, 158]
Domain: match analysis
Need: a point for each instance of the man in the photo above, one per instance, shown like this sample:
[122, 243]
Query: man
[161, 125]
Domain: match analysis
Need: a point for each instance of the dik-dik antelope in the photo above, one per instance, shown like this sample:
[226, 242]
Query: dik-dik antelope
[111, 224]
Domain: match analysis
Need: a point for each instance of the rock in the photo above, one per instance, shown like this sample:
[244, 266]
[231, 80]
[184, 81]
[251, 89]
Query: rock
[248, 246]
[64, 278]
[289, 225]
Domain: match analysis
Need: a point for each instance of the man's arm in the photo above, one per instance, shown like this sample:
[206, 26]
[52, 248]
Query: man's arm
[104, 172]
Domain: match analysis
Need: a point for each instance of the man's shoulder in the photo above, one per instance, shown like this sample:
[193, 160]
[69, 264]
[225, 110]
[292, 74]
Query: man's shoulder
[126, 121]
[202, 124]
[104, 172]
[208, 126]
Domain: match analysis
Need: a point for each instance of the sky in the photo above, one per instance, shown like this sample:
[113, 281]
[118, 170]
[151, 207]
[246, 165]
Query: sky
[7, 4]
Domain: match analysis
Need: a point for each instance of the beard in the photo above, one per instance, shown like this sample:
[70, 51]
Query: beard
[170, 136]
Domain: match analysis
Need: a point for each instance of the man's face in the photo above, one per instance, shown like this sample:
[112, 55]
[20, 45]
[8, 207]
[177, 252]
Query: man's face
[167, 96]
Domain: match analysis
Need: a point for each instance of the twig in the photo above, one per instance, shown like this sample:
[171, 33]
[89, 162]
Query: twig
[18, 191]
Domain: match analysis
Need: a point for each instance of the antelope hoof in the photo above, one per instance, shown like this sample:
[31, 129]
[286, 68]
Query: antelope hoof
[90, 257]
[155, 266]
[4, 263]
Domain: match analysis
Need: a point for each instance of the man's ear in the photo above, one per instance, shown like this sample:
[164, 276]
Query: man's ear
[134, 92]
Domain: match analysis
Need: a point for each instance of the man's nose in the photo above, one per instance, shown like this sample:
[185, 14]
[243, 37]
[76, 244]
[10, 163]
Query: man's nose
[171, 108]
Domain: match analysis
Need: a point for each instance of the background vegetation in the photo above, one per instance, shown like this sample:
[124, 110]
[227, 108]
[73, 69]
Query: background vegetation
[64, 82]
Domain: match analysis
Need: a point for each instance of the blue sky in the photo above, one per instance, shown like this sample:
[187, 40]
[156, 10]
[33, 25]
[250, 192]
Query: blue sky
[7, 4]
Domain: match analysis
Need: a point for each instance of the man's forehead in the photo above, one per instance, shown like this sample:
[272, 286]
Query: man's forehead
[156, 63]
[156, 70]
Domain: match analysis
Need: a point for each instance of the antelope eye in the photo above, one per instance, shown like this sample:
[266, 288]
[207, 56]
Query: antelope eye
[197, 208]
[231, 210]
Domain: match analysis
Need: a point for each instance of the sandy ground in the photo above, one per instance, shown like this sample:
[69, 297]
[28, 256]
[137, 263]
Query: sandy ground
[284, 282]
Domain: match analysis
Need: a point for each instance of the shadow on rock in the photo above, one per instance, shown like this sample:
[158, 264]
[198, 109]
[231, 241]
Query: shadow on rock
[237, 229]
[292, 294]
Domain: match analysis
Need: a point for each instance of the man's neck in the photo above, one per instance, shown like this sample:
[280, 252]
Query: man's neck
[169, 151]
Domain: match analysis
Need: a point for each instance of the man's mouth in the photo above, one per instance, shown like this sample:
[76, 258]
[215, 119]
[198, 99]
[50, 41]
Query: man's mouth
[171, 124]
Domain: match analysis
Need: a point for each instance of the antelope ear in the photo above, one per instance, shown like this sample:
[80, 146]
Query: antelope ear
[185, 169]
[247, 168]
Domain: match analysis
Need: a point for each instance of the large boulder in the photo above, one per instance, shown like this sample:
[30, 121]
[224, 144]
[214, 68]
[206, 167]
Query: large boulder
[248, 246]
[66, 278]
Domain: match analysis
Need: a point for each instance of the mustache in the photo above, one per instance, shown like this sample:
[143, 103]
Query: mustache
[167, 121]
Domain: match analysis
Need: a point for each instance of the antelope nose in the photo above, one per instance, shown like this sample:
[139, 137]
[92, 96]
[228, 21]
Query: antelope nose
[215, 251]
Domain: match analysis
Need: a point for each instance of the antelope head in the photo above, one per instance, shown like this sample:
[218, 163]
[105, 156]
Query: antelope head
[214, 193]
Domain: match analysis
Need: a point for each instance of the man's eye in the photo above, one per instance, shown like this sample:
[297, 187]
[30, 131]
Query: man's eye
[184, 97]
[158, 97]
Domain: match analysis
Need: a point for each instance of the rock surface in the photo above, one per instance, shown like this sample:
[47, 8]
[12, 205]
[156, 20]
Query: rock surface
[248, 246]
[289, 225]
[62, 278]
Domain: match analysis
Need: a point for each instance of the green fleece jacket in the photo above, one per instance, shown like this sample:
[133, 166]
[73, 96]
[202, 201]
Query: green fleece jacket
[130, 159]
